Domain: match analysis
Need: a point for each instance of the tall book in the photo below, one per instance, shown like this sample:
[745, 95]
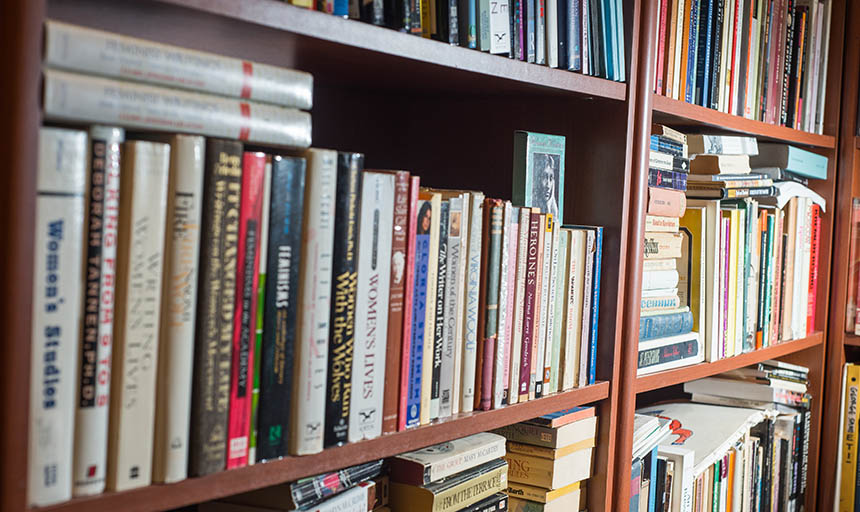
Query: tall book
[529, 305]
[574, 300]
[281, 305]
[471, 302]
[460, 305]
[510, 285]
[140, 256]
[438, 305]
[494, 211]
[503, 339]
[449, 348]
[429, 221]
[410, 275]
[178, 309]
[216, 291]
[55, 334]
[102, 209]
[587, 299]
[376, 223]
[551, 306]
[344, 282]
[418, 309]
[315, 287]
[535, 380]
[541, 374]
[245, 310]
[519, 303]
[559, 303]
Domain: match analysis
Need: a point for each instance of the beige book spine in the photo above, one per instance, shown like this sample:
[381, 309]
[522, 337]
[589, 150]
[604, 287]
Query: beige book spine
[519, 299]
[572, 339]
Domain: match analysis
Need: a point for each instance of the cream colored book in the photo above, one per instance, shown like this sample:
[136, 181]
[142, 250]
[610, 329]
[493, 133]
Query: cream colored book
[573, 299]
[549, 473]
[140, 257]
[503, 341]
[559, 303]
[435, 200]
[551, 340]
[519, 300]
[460, 318]
[473, 283]
[587, 284]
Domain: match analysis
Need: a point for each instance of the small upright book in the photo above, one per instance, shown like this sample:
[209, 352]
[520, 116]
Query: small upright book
[539, 172]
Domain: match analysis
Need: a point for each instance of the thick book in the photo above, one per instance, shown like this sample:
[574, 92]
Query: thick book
[472, 302]
[306, 433]
[660, 326]
[720, 164]
[803, 163]
[178, 309]
[216, 291]
[519, 304]
[79, 98]
[551, 437]
[102, 209]
[563, 417]
[494, 215]
[343, 289]
[140, 257]
[245, 310]
[669, 352]
[662, 245]
[721, 145]
[57, 276]
[434, 463]
[666, 203]
[281, 306]
[667, 179]
[376, 223]
[96, 52]
[438, 304]
[454, 493]
[549, 473]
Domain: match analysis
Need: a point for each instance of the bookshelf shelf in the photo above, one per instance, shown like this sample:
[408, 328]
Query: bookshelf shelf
[226, 483]
[673, 111]
[852, 340]
[698, 371]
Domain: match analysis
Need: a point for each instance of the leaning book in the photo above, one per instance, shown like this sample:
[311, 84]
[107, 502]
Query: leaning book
[436, 462]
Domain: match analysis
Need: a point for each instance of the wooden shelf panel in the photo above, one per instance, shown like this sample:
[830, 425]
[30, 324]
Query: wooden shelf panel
[698, 371]
[851, 339]
[670, 110]
[227, 483]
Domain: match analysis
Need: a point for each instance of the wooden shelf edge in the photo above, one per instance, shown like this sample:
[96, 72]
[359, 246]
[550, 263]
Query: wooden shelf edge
[281, 16]
[717, 119]
[851, 339]
[227, 483]
[698, 371]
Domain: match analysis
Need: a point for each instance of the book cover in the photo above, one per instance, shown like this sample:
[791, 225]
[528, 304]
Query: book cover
[140, 257]
[57, 276]
[440, 461]
[699, 144]
[574, 296]
[310, 367]
[539, 172]
[529, 304]
[245, 310]
[222, 185]
[376, 224]
[438, 305]
[499, 27]
[178, 309]
[665, 202]
[419, 305]
[549, 473]
[344, 281]
[472, 301]
[102, 209]
[453, 493]
[494, 210]
[281, 306]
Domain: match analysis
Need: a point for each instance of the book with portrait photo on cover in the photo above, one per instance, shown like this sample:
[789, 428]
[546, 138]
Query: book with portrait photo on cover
[539, 172]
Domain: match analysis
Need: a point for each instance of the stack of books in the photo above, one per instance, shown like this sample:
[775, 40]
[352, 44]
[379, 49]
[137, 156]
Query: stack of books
[468, 474]
[550, 459]
[769, 385]
[649, 479]
[577, 35]
[666, 335]
[761, 60]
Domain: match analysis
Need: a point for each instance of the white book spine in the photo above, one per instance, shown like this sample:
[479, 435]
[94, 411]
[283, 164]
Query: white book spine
[552, 33]
[742, 250]
[546, 278]
[682, 484]
[376, 225]
[587, 284]
[657, 279]
[576, 271]
[476, 215]
[178, 310]
[502, 341]
[511, 284]
[143, 209]
[84, 98]
[446, 380]
[803, 292]
[797, 305]
[550, 311]
[519, 300]
[500, 42]
[752, 72]
[57, 256]
[460, 329]
[311, 364]
[97, 52]
[822, 74]
[353, 500]
[712, 288]
[560, 305]
[102, 211]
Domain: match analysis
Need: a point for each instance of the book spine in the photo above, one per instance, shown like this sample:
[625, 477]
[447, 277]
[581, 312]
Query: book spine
[519, 304]
[556, 304]
[344, 281]
[571, 19]
[210, 399]
[509, 308]
[718, 56]
[670, 356]
[535, 378]
[813, 269]
[281, 306]
[667, 179]
[499, 27]
[531, 277]
[540, 31]
[587, 306]
[415, 8]
[259, 321]
[483, 23]
[427, 359]
[306, 432]
[551, 269]
[419, 305]
[530, 28]
[473, 283]
[409, 293]
[179, 300]
[546, 272]
[460, 300]
[102, 208]
[573, 304]
[57, 277]
[245, 314]
[502, 340]
[661, 47]
[82, 98]
[140, 254]
[586, 38]
[660, 326]
[491, 302]
[438, 304]
[666, 203]
[396, 303]
[692, 43]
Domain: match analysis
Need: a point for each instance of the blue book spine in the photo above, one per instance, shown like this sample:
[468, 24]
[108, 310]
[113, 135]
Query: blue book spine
[416, 350]
[652, 486]
[608, 44]
[619, 31]
[472, 13]
[531, 16]
[341, 8]
[661, 326]
[635, 485]
[691, 53]
[574, 35]
[806, 164]
[595, 306]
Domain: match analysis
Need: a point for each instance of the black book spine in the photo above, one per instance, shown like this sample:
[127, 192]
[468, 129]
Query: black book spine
[667, 179]
[439, 304]
[705, 7]
[398, 15]
[789, 68]
[213, 346]
[342, 321]
[804, 460]
[667, 354]
[372, 11]
[563, 15]
[794, 92]
[281, 307]
[595, 36]
[442, 19]
[415, 14]
[717, 53]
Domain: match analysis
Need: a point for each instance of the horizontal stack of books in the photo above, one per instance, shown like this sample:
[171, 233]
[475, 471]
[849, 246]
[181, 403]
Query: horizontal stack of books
[666, 335]
[550, 460]
[761, 60]
[585, 36]
[203, 306]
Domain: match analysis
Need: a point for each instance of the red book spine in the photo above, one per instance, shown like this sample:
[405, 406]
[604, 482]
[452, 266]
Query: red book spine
[734, 63]
[245, 315]
[393, 356]
[661, 50]
[529, 306]
[813, 269]
[415, 183]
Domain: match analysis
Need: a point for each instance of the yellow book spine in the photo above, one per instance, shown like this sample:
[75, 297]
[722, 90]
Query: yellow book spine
[849, 439]
[308, 4]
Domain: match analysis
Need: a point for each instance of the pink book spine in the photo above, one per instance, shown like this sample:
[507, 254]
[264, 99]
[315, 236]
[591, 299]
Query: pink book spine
[407, 302]
[666, 203]
[509, 307]
[244, 319]
[661, 51]
[813, 269]
[487, 375]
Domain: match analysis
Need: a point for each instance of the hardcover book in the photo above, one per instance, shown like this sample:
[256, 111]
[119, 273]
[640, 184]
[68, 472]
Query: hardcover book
[721, 145]
[434, 463]
[551, 437]
[539, 172]
[454, 493]
[472, 301]
[549, 473]
[490, 269]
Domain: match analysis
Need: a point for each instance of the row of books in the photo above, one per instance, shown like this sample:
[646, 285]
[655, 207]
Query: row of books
[741, 442]
[585, 36]
[739, 237]
[760, 60]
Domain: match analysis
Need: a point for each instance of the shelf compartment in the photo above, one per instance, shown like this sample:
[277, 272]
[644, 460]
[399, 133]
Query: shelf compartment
[851, 340]
[234, 481]
[675, 112]
[699, 371]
